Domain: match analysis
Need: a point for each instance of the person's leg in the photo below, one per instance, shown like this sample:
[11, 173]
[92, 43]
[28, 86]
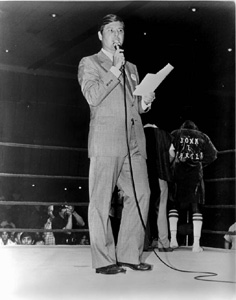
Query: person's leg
[162, 225]
[173, 221]
[131, 235]
[103, 174]
[197, 228]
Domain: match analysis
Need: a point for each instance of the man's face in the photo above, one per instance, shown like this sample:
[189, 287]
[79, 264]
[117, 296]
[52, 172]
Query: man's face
[63, 212]
[27, 240]
[113, 33]
[5, 236]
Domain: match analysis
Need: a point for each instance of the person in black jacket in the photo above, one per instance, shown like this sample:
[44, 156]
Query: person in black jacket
[194, 151]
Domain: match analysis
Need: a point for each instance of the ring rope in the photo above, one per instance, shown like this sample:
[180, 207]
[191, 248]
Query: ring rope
[41, 230]
[85, 177]
[86, 204]
[220, 179]
[18, 145]
[43, 176]
[42, 203]
[220, 206]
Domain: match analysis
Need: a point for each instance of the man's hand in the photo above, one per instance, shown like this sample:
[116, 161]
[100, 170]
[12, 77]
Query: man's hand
[79, 219]
[148, 98]
[118, 58]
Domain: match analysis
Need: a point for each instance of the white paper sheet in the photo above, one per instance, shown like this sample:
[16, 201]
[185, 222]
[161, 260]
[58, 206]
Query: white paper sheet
[152, 81]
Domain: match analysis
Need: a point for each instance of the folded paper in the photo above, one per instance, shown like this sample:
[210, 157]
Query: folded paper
[152, 81]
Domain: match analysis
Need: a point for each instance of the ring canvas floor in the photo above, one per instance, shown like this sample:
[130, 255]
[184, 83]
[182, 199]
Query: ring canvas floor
[65, 273]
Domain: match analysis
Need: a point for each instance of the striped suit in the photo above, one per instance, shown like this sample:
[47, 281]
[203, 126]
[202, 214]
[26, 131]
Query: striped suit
[107, 148]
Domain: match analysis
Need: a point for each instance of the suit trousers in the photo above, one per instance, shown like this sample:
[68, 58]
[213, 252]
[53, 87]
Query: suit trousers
[162, 224]
[104, 174]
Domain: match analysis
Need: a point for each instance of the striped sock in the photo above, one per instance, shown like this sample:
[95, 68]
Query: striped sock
[173, 220]
[197, 229]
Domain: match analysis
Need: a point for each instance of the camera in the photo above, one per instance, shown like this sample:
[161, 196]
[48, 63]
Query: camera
[69, 209]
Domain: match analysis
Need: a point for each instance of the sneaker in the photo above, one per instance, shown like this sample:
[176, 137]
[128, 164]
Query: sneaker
[174, 244]
[197, 249]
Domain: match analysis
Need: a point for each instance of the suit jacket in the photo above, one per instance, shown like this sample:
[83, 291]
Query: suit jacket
[104, 93]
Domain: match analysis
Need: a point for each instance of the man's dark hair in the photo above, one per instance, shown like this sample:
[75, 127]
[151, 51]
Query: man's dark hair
[27, 234]
[189, 125]
[57, 209]
[109, 19]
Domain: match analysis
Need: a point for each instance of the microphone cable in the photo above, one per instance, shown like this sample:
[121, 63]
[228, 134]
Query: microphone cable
[129, 155]
[205, 273]
[199, 277]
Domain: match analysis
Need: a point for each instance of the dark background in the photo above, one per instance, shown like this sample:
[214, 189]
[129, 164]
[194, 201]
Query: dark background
[44, 117]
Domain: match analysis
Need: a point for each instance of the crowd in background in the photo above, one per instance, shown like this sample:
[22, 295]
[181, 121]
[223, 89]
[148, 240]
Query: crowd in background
[41, 217]
[175, 165]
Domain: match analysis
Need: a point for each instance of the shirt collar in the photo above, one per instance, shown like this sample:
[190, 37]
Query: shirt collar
[108, 54]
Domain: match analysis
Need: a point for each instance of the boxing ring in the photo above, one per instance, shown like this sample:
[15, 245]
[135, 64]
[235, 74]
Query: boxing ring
[65, 273]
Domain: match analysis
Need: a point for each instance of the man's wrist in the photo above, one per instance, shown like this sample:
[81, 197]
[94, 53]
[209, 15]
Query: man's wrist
[115, 71]
[145, 105]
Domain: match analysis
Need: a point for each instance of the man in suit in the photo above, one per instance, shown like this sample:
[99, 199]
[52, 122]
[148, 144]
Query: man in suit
[115, 130]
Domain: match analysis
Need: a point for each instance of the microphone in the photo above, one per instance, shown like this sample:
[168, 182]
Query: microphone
[117, 45]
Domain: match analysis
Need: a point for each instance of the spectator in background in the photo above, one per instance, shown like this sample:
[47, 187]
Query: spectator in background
[84, 240]
[6, 237]
[27, 238]
[78, 222]
[63, 220]
[49, 236]
[230, 238]
[39, 238]
[194, 150]
[6, 224]
[160, 154]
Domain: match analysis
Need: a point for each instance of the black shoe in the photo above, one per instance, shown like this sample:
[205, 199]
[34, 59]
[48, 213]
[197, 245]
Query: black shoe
[111, 269]
[169, 249]
[139, 267]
